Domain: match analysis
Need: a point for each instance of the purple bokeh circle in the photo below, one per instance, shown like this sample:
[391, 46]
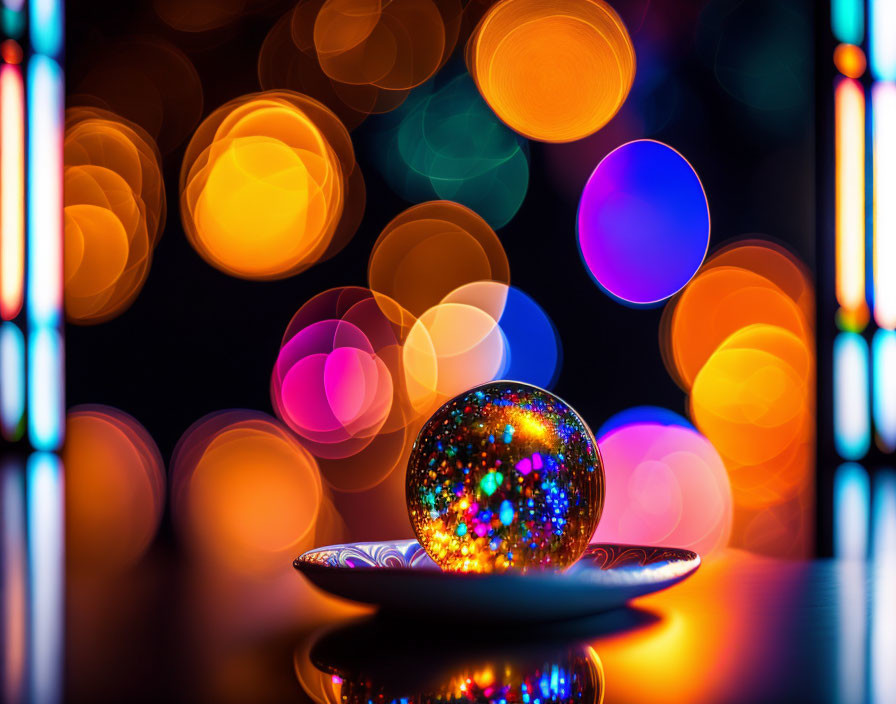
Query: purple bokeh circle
[643, 222]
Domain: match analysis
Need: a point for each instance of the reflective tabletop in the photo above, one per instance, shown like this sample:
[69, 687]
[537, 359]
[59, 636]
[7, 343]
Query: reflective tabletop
[742, 629]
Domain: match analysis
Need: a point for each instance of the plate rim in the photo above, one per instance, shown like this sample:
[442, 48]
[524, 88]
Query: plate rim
[693, 560]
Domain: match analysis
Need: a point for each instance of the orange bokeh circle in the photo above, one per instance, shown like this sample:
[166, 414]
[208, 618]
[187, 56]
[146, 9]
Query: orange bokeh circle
[429, 250]
[775, 263]
[740, 339]
[114, 489]
[198, 15]
[264, 185]
[359, 57]
[719, 301]
[245, 494]
[553, 71]
[114, 213]
[393, 45]
[754, 399]
[850, 60]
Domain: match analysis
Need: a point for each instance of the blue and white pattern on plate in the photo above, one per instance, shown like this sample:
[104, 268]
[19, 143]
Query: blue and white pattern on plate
[400, 576]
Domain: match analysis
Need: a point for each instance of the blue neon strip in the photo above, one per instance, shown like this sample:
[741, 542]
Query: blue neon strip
[44, 271]
[882, 39]
[852, 508]
[46, 29]
[848, 20]
[883, 527]
[852, 408]
[45, 389]
[12, 381]
[45, 115]
[13, 23]
[883, 349]
[882, 674]
[46, 510]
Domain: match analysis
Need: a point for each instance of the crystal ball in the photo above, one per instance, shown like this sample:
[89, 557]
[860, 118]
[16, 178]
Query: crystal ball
[505, 476]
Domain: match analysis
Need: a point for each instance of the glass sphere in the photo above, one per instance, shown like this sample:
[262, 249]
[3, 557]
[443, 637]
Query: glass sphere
[505, 476]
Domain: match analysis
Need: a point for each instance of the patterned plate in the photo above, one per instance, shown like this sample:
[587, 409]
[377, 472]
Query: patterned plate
[400, 576]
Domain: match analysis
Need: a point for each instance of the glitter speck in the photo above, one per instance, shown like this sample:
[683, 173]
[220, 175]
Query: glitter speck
[506, 513]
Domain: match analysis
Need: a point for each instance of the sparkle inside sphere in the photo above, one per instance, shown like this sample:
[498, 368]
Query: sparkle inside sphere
[505, 476]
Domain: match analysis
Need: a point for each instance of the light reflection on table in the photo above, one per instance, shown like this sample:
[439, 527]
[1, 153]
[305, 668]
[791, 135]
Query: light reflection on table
[32, 582]
[743, 628]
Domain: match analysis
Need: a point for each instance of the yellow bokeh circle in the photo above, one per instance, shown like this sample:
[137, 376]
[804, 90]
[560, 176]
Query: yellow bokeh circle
[264, 184]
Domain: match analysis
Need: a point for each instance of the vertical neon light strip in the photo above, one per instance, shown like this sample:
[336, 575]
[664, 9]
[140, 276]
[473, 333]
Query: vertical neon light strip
[44, 290]
[12, 381]
[46, 27]
[13, 18]
[45, 391]
[849, 129]
[13, 572]
[852, 504]
[883, 622]
[852, 617]
[883, 106]
[852, 423]
[883, 536]
[45, 575]
[882, 39]
[848, 20]
[852, 509]
[12, 191]
[883, 349]
[45, 115]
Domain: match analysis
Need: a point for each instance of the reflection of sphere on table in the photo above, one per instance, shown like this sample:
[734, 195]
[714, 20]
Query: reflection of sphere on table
[505, 476]
[575, 676]
[391, 659]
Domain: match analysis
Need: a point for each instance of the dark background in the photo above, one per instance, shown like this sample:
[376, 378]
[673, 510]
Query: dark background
[728, 83]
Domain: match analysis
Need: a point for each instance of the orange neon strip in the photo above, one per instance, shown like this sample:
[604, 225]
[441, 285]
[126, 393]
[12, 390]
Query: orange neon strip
[883, 105]
[12, 191]
[849, 129]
